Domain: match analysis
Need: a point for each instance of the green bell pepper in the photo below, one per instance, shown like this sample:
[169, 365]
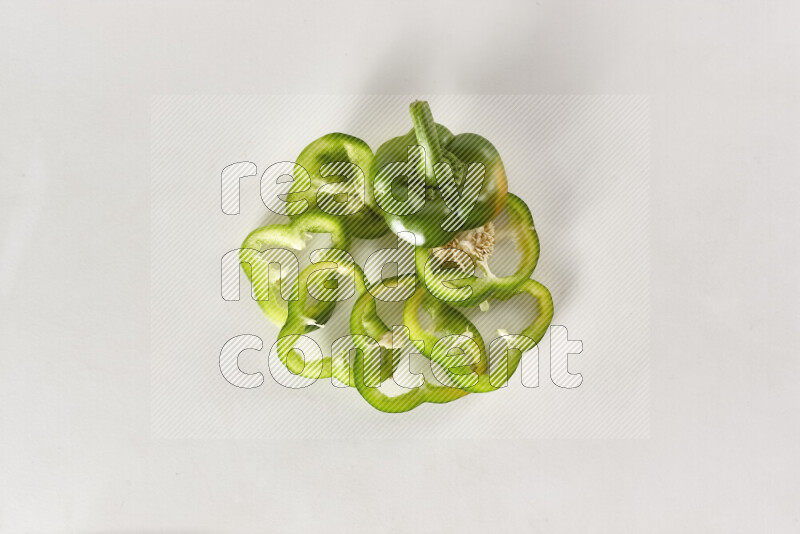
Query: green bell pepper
[459, 208]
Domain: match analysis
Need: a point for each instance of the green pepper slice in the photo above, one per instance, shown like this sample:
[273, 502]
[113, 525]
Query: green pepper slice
[320, 157]
[292, 236]
[484, 373]
[366, 324]
[449, 283]
[304, 317]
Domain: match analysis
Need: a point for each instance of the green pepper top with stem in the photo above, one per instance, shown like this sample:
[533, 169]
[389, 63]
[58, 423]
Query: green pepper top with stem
[441, 146]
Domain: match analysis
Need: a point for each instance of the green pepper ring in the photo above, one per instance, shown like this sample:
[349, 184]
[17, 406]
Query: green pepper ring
[527, 241]
[486, 382]
[365, 321]
[293, 236]
[339, 147]
[302, 319]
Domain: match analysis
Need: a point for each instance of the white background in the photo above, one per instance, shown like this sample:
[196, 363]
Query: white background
[75, 449]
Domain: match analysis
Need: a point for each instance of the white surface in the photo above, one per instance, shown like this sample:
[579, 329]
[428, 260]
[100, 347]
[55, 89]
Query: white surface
[76, 80]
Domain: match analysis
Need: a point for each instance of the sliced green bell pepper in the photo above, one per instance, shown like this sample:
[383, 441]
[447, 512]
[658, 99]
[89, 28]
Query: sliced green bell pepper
[458, 192]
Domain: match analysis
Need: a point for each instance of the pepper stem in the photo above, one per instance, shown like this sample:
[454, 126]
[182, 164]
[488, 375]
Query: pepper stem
[427, 136]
